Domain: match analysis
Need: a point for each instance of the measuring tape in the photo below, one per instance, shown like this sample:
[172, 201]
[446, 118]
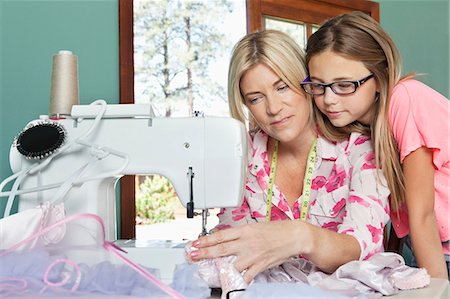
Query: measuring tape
[273, 168]
[307, 181]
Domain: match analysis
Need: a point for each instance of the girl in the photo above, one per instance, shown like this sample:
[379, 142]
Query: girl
[294, 173]
[354, 77]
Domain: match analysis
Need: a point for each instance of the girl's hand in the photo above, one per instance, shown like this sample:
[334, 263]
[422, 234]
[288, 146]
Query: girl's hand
[257, 247]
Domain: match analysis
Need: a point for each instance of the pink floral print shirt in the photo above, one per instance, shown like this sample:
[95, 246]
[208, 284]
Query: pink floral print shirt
[346, 195]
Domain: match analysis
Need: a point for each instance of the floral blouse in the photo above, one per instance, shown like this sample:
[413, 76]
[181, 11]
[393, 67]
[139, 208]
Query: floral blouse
[346, 195]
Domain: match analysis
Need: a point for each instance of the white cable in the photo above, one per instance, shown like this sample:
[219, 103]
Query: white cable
[42, 164]
[98, 153]
[9, 179]
[107, 150]
[14, 188]
[68, 184]
[78, 182]
[83, 135]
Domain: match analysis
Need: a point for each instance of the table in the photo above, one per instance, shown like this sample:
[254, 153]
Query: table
[438, 289]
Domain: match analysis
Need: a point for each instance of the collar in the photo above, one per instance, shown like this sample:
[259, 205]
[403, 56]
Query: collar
[326, 150]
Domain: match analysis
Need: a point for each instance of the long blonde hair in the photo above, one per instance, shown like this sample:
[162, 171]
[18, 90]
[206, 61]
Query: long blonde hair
[358, 37]
[274, 49]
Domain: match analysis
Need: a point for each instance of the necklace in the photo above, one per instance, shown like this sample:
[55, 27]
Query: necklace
[307, 181]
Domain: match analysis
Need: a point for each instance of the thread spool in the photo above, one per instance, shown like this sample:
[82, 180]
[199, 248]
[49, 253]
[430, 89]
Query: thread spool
[64, 85]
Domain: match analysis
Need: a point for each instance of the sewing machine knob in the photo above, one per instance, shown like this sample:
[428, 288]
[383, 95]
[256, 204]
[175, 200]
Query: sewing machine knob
[40, 140]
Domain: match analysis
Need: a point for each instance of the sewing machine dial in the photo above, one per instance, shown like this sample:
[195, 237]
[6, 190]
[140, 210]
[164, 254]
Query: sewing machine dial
[41, 139]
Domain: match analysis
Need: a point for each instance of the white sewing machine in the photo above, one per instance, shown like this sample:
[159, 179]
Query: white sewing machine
[79, 159]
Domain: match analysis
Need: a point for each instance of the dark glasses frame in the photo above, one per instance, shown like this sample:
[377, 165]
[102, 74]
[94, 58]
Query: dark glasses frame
[307, 84]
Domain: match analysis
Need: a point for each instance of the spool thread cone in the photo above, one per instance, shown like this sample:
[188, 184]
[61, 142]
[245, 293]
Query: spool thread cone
[64, 84]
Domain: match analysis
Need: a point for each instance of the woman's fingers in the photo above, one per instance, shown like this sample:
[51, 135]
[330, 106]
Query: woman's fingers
[250, 273]
[217, 237]
[253, 246]
[215, 250]
[244, 261]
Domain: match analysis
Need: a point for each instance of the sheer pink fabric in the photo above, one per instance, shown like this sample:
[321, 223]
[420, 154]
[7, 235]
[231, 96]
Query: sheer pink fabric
[382, 274]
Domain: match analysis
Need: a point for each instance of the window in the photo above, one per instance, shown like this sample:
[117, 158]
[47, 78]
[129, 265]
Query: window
[298, 18]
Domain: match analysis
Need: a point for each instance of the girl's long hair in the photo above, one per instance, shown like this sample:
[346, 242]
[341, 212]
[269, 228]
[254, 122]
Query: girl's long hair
[358, 37]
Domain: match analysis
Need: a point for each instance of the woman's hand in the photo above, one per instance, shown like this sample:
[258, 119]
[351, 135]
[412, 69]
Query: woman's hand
[257, 246]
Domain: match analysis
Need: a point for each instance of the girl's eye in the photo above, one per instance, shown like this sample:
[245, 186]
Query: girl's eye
[344, 84]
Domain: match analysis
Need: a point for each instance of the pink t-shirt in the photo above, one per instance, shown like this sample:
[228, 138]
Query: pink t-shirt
[420, 117]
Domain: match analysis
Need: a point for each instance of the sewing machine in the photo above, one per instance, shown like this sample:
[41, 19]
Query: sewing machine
[78, 160]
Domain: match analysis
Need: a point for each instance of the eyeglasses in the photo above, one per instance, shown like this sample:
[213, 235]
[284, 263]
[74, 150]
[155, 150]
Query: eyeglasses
[338, 87]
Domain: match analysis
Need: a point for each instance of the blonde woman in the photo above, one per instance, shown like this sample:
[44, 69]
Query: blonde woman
[304, 194]
[354, 77]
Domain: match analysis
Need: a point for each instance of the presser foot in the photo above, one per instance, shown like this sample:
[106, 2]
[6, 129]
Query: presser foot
[205, 215]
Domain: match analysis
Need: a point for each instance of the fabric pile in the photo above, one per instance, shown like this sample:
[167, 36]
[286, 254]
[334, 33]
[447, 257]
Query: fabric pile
[383, 274]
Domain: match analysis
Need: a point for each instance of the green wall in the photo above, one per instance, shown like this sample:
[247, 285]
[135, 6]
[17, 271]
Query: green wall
[420, 28]
[31, 32]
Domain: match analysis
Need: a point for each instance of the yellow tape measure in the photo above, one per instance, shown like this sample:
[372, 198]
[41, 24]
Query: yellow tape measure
[307, 181]
[273, 168]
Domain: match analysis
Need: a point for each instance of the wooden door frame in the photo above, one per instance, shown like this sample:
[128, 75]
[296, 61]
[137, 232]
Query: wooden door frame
[127, 227]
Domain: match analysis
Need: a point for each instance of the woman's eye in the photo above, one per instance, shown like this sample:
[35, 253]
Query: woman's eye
[282, 88]
[255, 100]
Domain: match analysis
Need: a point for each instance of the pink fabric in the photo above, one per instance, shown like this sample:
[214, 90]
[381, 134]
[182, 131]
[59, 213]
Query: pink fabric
[419, 117]
[345, 195]
[382, 274]
[219, 273]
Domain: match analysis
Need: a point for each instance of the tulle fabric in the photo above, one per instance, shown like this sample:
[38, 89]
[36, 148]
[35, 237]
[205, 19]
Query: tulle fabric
[37, 273]
[81, 263]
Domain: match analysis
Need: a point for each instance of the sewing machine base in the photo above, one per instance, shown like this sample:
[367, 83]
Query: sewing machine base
[160, 254]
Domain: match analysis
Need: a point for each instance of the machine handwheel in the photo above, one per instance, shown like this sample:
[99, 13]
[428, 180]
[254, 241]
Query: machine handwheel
[40, 140]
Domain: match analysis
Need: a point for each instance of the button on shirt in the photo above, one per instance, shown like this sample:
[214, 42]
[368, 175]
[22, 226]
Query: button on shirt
[346, 195]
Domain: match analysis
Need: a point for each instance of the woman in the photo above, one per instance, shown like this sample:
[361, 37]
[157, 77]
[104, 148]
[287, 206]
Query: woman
[331, 190]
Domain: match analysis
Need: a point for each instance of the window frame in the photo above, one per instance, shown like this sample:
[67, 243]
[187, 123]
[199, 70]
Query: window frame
[307, 11]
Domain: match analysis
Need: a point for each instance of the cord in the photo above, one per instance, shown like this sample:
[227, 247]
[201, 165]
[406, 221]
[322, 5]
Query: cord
[97, 151]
